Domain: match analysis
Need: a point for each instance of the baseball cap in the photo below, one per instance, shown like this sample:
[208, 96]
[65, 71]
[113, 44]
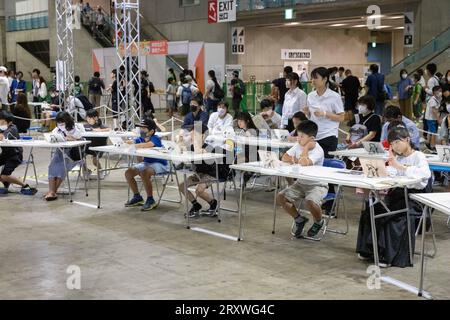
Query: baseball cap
[147, 123]
[188, 78]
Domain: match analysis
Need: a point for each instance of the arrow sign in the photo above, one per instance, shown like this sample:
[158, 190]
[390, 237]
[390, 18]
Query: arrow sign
[212, 11]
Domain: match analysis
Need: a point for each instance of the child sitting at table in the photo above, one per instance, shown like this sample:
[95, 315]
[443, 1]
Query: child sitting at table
[296, 120]
[95, 124]
[268, 113]
[392, 231]
[204, 176]
[54, 108]
[11, 158]
[146, 168]
[307, 152]
[66, 129]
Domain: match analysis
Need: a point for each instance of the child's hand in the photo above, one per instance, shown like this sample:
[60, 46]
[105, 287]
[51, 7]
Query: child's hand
[2, 136]
[130, 142]
[310, 146]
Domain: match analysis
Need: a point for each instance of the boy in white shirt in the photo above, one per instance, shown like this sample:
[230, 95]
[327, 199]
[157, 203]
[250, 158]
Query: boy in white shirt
[307, 152]
[432, 115]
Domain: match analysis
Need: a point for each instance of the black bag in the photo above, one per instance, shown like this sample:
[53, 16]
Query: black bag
[85, 101]
[75, 154]
[151, 87]
[218, 93]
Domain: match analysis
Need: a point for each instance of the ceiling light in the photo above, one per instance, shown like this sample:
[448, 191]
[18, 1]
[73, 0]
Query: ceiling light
[383, 27]
[292, 24]
[400, 28]
[338, 25]
[360, 26]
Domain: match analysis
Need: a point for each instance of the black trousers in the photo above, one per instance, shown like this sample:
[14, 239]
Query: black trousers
[328, 144]
[37, 109]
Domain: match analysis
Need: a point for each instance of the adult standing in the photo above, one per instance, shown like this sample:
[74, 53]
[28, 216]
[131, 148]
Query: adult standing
[294, 101]
[325, 108]
[147, 89]
[96, 85]
[350, 89]
[280, 84]
[18, 86]
[36, 73]
[4, 87]
[432, 82]
[238, 91]
[404, 88]
[375, 88]
[211, 88]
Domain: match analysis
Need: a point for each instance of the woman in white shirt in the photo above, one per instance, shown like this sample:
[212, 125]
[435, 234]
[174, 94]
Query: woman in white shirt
[67, 129]
[42, 93]
[393, 242]
[294, 101]
[326, 109]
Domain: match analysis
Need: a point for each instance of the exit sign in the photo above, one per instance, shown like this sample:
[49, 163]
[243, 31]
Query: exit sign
[221, 11]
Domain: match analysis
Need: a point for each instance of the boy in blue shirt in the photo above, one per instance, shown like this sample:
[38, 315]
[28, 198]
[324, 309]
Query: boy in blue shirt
[146, 168]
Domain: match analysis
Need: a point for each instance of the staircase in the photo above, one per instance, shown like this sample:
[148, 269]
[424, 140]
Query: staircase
[436, 50]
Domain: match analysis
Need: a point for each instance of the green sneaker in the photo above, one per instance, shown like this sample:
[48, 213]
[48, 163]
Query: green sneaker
[135, 202]
[315, 229]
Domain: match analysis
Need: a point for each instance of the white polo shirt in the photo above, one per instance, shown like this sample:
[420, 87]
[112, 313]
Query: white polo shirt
[294, 101]
[330, 102]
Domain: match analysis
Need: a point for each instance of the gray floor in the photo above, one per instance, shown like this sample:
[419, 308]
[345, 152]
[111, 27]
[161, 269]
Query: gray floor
[125, 254]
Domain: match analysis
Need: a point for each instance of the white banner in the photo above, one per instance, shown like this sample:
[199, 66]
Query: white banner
[295, 54]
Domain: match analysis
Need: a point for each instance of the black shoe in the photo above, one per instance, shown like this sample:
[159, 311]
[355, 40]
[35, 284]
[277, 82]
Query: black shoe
[299, 227]
[212, 211]
[195, 210]
[315, 229]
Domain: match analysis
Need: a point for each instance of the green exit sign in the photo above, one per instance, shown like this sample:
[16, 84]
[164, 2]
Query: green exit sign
[289, 14]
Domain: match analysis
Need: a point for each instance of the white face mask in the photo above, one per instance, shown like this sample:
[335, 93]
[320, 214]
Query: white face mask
[448, 107]
[362, 109]
[439, 95]
[221, 112]
[3, 128]
[405, 75]
[62, 127]
[448, 79]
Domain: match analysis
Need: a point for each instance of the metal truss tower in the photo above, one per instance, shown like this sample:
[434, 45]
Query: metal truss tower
[127, 25]
[65, 67]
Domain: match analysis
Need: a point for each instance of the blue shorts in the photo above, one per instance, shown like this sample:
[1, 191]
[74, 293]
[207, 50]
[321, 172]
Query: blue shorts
[432, 126]
[158, 167]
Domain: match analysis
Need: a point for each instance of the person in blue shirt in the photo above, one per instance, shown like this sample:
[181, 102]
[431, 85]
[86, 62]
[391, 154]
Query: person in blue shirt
[146, 168]
[393, 113]
[404, 88]
[18, 85]
[196, 114]
[375, 88]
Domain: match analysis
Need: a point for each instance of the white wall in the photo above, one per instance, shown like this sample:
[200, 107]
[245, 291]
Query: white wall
[19, 7]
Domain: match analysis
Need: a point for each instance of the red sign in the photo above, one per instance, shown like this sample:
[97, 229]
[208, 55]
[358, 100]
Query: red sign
[158, 47]
[212, 11]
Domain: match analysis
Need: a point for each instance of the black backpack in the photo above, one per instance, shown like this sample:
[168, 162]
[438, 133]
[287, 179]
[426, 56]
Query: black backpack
[85, 101]
[218, 93]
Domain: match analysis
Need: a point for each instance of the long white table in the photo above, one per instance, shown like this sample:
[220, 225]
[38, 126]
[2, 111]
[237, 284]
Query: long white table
[334, 176]
[253, 141]
[433, 160]
[187, 157]
[436, 201]
[119, 134]
[42, 144]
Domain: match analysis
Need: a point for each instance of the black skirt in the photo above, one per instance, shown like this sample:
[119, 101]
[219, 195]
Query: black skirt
[392, 231]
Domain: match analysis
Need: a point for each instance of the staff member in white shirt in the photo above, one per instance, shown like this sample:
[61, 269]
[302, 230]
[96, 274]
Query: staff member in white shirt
[325, 108]
[294, 101]
[4, 87]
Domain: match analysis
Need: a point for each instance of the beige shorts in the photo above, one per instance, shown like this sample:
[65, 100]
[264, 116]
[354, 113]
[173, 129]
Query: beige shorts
[199, 178]
[298, 192]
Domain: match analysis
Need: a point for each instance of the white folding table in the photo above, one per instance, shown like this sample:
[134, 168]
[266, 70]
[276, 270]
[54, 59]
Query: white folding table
[42, 144]
[439, 202]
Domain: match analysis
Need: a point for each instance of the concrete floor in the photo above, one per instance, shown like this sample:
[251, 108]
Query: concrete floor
[126, 254]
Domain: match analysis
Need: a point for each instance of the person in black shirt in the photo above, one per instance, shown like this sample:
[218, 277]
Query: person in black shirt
[95, 89]
[280, 83]
[350, 89]
[11, 158]
[21, 112]
[366, 126]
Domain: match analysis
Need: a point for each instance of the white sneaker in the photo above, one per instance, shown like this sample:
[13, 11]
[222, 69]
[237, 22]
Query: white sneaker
[363, 258]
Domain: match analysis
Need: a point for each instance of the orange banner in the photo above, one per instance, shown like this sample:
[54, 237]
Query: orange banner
[149, 48]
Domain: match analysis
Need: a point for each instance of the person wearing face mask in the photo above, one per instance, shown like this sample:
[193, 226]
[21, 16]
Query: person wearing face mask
[220, 120]
[432, 116]
[294, 101]
[11, 158]
[392, 114]
[56, 171]
[366, 126]
[52, 112]
[404, 88]
[196, 114]
[393, 242]
[18, 86]
[146, 168]
[444, 133]
[272, 118]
